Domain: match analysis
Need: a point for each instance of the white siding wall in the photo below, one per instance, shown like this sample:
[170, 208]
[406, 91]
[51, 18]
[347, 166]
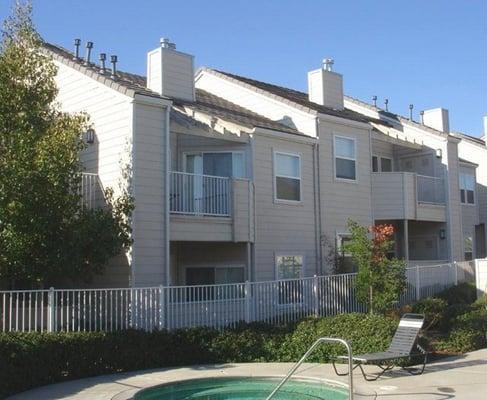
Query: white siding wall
[149, 190]
[341, 201]
[282, 229]
[110, 115]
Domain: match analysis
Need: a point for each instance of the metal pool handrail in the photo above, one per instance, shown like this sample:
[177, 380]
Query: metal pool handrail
[314, 345]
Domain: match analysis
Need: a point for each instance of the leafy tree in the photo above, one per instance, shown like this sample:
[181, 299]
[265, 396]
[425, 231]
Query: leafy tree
[44, 233]
[380, 280]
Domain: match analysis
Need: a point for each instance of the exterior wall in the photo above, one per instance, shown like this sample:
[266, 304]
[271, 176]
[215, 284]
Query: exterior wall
[384, 149]
[110, 115]
[200, 228]
[205, 254]
[258, 102]
[421, 232]
[282, 228]
[149, 190]
[341, 200]
[470, 213]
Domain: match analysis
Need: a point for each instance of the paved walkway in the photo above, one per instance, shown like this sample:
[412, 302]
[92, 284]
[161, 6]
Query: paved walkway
[463, 377]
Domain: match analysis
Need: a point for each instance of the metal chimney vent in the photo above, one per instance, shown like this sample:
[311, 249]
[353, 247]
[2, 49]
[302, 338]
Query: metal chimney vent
[167, 44]
[328, 64]
[89, 46]
[113, 60]
[77, 43]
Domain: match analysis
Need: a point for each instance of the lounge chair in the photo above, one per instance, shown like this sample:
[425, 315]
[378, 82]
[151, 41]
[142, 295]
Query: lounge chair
[404, 345]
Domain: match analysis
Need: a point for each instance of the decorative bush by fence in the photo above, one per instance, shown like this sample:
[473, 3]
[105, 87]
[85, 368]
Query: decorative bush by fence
[215, 306]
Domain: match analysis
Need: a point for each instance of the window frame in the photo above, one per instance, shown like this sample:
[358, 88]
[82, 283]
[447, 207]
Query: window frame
[232, 152]
[283, 282]
[465, 190]
[354, 140]
[275, 176]
[379, 163]
[230, 266]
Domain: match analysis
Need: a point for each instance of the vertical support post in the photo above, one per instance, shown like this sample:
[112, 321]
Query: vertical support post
[247, 302]
[418, 284]
[455, 272]
[406, 240]
[162, 308]
[315, 297]
[51, 311]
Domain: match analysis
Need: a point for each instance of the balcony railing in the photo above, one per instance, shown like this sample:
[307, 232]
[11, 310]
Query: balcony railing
[199, 194]
[431, 190]
[88, 190]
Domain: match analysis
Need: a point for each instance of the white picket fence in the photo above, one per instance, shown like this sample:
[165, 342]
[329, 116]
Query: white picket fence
[216, 306]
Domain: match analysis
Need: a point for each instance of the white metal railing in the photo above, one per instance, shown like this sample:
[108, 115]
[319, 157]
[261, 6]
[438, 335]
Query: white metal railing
[199, 194]
[88, 189]
[430, 189]
[217, 306]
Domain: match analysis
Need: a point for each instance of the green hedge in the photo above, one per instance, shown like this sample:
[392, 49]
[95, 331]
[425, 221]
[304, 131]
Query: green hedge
[28, 360]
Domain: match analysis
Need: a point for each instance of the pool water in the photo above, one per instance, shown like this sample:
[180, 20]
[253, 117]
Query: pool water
[242, 389]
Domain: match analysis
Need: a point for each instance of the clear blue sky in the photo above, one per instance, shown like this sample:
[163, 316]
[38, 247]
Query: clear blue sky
[430, 53]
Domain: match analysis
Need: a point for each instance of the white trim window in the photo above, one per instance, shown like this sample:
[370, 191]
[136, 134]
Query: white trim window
[345, 158]
[289, 269]
[287, 176]
[467, 188]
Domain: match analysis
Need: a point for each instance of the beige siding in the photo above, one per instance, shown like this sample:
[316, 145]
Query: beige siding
[149, 160]
[341, 201]
[243, 210]
[201, 229]
[111, 116]
[281, 228]
[260, 103]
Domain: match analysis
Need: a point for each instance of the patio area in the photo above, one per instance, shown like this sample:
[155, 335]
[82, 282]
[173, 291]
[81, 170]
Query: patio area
[461, 377]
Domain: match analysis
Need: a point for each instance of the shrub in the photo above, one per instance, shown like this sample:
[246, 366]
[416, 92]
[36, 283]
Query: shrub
[464, 293]
[433, 310]
[56, 357]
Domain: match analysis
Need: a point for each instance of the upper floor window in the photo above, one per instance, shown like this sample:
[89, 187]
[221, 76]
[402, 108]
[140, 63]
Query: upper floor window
[287, 175]
[467, 188]
[381, 164]
[345, 158]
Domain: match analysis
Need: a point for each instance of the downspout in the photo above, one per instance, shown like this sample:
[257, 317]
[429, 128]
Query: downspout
[167, 220]
[318, 201]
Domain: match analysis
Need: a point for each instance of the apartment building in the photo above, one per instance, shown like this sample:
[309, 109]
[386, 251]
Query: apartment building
[236, 179]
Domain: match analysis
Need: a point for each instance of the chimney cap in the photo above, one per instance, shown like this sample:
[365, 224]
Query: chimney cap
[167, 44]
[328, 64]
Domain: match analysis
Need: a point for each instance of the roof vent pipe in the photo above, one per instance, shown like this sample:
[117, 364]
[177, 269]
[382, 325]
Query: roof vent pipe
[77, 43]
[89, 46]
[166, 44]
[113, 60]
[386, 103]
[374, 99]
[103, 58]
[411, 106]
[421, 115]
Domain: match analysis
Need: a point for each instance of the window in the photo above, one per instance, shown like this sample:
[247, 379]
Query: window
[345, 262]
[287, 175]
[290, 291]
[345, 162]
[229, 164]
[467, 188]
[468, 248]
[382, 164]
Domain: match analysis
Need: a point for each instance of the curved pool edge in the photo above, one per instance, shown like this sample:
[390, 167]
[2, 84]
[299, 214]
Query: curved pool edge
[259, 371]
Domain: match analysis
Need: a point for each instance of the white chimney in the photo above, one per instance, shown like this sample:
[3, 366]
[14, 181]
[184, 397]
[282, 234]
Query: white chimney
[170, 72]
[485, 128]
[437, 118]
[325, 87]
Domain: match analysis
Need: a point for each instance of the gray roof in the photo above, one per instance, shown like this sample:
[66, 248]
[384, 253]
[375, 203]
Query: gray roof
[470, 138]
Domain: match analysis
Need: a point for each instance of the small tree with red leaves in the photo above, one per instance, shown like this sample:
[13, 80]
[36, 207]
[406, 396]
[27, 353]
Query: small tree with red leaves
[380, 279]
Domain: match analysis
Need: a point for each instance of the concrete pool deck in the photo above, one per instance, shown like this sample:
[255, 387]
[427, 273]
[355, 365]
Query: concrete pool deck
[463, 377]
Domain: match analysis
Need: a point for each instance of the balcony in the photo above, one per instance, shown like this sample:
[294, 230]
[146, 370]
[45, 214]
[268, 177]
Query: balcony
[406, 195]
[210, 208]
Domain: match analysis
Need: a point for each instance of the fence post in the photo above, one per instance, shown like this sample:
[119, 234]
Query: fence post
[455, 266]
[315, 296]
[162, 308]
[51, 311]
[247, 302]
[418, 284]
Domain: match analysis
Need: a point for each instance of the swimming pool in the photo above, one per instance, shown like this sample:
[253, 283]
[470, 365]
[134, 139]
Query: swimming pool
[243, 389]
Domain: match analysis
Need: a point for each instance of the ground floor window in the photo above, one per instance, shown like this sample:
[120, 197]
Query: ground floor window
[345, 263]
[468, 247]
[289, 270]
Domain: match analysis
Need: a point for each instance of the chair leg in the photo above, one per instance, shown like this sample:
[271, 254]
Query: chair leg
[418, 371]
[377, 376]
[342, 373]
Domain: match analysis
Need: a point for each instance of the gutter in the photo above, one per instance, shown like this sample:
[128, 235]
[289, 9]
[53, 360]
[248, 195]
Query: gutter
[167, 219]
